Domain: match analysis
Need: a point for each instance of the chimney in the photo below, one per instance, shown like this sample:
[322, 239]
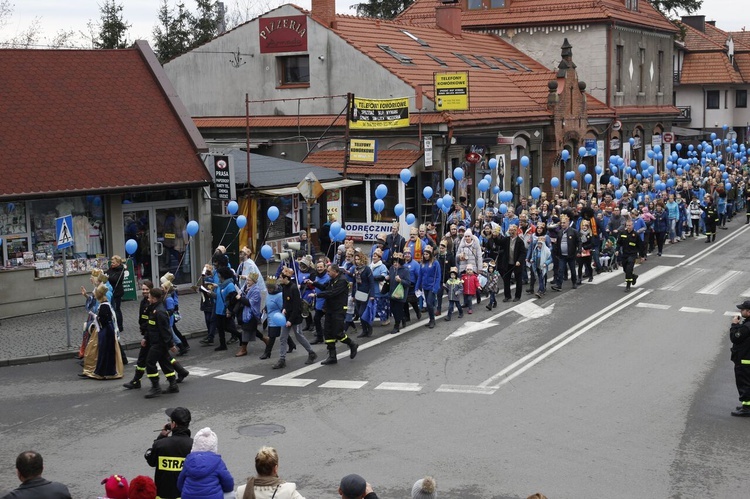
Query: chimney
[712, 23]
[697, 22]
[448, 18]
[324, 11]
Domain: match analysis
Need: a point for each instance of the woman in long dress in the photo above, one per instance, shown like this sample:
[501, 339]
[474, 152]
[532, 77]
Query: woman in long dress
[103, 359]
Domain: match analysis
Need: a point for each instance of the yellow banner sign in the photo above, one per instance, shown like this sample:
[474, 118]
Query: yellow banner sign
[364, 151]
[379, 114]
[452, 91]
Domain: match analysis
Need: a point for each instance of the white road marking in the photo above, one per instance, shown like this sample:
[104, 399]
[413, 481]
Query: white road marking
[680, 283]
[469, 327]
[746, 293]
[692, 310]
[718, 285]
[667, 255]
[478, 390]
[653, 305]
[606, 276]
[400, 387]
[713, 247]
[651, 274]
[298, 382]
[202, 371]
[531, 310]
[499, 379]
[238, 377]
[344, 383]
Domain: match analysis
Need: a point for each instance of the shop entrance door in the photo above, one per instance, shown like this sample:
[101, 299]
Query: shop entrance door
[160, 231]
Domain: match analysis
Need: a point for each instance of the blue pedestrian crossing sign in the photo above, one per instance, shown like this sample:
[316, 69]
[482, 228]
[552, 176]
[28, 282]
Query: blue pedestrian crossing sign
[64, 232]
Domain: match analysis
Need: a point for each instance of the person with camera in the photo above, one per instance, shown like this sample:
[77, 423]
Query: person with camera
[739, 335]
[168, 452]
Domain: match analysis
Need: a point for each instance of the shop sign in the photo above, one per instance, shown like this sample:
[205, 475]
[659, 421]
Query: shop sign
[224, 178]
[451, 91]
[364, 151]
[128, 282]
[379, 114]
[366, 231]
[282, 34]
[614, 144]
[637, 144]
[428, 151]
[656, 140]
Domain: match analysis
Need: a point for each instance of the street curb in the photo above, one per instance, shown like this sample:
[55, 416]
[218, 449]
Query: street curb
[35, 359]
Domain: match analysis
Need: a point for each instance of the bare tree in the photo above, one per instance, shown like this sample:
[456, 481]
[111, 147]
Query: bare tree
[241, 11]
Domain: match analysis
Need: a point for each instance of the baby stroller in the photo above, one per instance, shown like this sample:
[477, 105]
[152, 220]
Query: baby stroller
[607, 258]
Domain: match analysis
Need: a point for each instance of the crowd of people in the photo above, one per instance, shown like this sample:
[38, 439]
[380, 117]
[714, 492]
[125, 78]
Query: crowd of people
[190, 467]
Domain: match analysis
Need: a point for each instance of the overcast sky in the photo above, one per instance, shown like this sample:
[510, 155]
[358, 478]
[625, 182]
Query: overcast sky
[57, 15]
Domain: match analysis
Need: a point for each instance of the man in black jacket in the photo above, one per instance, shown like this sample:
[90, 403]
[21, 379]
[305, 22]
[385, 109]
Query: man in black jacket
[566, 248]
[739, 335]
[168, 452]
[336, 294]
[629, 247]
[394, 242]
[513, 255]
[29, 468]
[159, 339]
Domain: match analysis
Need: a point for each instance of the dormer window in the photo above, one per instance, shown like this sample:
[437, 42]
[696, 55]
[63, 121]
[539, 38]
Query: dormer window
[631, 5]
[485, 4]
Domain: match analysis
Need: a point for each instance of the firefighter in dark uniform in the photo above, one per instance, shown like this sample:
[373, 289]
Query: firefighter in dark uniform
[140, 366]
[159, 339]
[168, 452]
[712, 218]
[629, 247]
[739, 335]
[336, 294]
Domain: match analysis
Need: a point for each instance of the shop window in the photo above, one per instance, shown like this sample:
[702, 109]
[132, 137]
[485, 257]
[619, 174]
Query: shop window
[391, 200]
[29, 235]
[283, 226]
[741, 98]
[153, 196]
[712, 99]
[294, 70]
[355, 203]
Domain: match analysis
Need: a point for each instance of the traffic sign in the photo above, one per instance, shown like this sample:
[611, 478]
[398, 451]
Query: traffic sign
[64, 231]
[667, 137]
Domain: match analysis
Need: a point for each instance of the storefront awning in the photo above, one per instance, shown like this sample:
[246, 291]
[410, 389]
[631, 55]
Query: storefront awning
[288, 191]
[686, 132]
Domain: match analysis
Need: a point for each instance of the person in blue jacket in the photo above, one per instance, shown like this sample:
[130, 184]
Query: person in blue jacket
[321, 278]
[224, 295]
[204, 474]
[363, 290]
[430, 282]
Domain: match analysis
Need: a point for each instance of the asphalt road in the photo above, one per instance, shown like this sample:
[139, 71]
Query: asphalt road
[589, 393]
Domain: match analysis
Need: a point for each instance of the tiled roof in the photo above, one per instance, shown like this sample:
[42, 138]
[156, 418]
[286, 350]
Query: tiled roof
[492, 92]
[696, 40]
[660, 111]
[390, 161]
[743, 64]
[544, 13]
[741, 36]
[708, 67]
[720, 37]
[83, 121]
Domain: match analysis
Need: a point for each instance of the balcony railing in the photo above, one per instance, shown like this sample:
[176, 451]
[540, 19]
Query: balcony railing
[684, 113]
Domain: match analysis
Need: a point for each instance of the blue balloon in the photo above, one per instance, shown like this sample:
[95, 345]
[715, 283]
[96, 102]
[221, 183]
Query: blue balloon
[241, 221]
[581, 168]
[277, 319]
[458, 173]
[565, 155]
[379, 204]
[503, 209]
[488, 178]
[724, 127]
[651, 154]
[427, 192]
[582, 151]
[678, 146]
[524, 161]
[335, 228]
[614, 181]
[341, 235]
[598, 169]
[574, 184]
[618, 194]
[192, 228]
[446, 208]
[492, 163]
[483, 185]
[614, 169]
[410, 218]
[670, 182]
[631, 140]
[569, 175]
[131, 246]
[555, 182]
[519, 180]
[233, 207]
[398, 209]
[713, 136]
[405, 176]
[679, 171]
[638, 176]
[480, 203]
[97, 202]
[536, 192]
[587, 178]
[381, 191]
[439, 203]
[495, 189]
[728, 186]
[449, 184]
[651, 169]
[447, 201]
[657, 149]
[273, 213]
[266, 252]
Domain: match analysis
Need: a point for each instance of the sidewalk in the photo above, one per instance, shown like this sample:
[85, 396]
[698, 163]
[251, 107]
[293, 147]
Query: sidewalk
[42, 337]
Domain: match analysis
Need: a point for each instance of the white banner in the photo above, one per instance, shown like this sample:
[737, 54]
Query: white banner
[363, 231]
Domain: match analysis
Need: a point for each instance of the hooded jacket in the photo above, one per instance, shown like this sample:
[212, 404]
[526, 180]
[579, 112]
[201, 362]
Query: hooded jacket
[204, 476]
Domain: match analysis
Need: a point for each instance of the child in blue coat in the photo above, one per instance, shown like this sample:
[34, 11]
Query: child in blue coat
[204, 474]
